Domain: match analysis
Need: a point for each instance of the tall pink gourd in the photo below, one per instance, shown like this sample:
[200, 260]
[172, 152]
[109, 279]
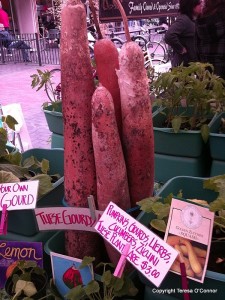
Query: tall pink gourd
[77, 90]
[137, 138]
[112, 183]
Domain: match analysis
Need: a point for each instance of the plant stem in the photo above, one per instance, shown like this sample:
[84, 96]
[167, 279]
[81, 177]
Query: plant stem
[93, 10]
[17, 294]
[124, 17]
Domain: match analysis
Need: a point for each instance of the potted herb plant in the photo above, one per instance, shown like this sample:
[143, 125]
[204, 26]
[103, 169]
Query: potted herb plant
[26, 280]
[188, 98]
[53, 107]
[155, 215]
[105, 286]
[44, 165]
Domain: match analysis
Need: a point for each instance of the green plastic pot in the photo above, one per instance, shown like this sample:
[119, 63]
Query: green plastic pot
[26, 218]
[39, 281]
[217, 140]
[184, 143]
[54, 118]
[169, 166]
[57, 140]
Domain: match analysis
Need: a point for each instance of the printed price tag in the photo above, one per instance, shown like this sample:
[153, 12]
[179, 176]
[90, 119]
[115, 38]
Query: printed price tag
[189, 231]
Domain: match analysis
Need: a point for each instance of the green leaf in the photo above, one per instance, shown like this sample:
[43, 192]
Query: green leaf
[45, 184]
[14, 158]
[220, 221]
[76, 293]
[176, 123]
[117, 283]
[3, 141]
[215, 183]
[31, 163]
[161, 210]
[8, 177]
[45, 166]
[128, 288]
[86, 261]
[168, 199]
[217, 205]
[91, 288]
[10, 121]
[106, 277]
[205, 132]
[147, 203]
[19, 172]
[25, 276]
[158, 224]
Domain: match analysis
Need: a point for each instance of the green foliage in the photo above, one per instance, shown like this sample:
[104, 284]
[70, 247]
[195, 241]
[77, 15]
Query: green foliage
[217, 184]
[10, 121]
[161, 209]
[13, 169]
[194, 86]
[39, 81]
[22, 278]
[107, 288]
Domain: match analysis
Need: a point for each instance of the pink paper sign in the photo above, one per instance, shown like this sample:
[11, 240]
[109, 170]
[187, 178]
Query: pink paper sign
[189, 231]
[66, 218]
[19, 195]
[148, 253]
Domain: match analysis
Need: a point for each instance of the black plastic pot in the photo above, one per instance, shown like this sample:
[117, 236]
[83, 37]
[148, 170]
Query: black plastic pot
[40, 282]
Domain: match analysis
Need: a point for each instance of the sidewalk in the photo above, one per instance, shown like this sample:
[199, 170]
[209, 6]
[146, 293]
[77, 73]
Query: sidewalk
[15, 87]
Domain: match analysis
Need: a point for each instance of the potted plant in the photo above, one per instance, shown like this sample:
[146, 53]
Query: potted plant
[188, 98]
[53, 107]
[44, 165]
[105, 286]
[26, 280]
[155, 214]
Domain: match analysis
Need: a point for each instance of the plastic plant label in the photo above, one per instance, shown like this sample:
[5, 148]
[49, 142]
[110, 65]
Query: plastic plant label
[189, 231]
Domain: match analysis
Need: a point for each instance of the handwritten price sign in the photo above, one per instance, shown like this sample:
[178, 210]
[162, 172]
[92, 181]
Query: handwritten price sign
[148, 253]
[19, 195]
[66, 218]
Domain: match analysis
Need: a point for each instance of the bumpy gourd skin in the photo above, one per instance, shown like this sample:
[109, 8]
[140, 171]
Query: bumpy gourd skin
[107, 62]
[137, 129]
[77, 90]
[112, 184]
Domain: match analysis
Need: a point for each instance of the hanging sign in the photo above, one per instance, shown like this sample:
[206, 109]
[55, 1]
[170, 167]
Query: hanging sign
[137, 9]
[19, 195]
[148, 253]
[66, 218]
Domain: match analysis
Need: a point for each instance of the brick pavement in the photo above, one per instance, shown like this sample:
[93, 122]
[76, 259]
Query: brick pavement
[15, 87]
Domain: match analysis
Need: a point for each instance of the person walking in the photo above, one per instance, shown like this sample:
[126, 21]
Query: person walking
[181, 34]
[4, 18]
[210, 35]
[7, 41]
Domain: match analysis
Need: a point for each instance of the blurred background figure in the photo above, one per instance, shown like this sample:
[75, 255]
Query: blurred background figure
[181, 34]
[210, 28]
[4, 18]
[7, 41]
